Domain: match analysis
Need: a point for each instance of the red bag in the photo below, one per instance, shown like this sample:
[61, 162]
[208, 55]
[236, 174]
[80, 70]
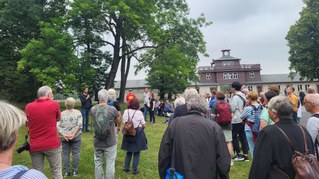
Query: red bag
[224, 114]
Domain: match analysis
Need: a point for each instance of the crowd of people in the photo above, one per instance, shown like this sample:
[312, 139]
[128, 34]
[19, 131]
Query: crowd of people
[205, 136]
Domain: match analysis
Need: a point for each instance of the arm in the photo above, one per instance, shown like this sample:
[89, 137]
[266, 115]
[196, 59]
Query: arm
[164, 154]
[223, 157]
[313, 128]
[261, 165]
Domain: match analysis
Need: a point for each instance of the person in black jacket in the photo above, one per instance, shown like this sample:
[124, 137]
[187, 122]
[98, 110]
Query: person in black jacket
[86, 101]
[273, 154]
[200, 146]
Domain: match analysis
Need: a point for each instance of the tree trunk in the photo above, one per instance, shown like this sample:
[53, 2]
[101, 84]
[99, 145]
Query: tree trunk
[116, 61]
[123, 79]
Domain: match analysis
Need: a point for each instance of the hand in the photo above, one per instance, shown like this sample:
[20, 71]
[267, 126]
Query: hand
[213, 115]
[66, 137]
[118, 130]
[88, 96]
[71, 137]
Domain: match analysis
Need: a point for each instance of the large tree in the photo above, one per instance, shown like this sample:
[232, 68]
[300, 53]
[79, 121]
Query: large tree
[303, 41]
[51, 58]
[19, 24]
[87, 26]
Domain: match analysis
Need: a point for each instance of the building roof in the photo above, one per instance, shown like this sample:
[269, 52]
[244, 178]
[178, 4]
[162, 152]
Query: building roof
[226, 56]
[265, 79]
[277, 78]
[133, 84]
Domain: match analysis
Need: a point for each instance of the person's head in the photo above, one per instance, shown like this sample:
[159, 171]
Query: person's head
[208, 95]
[134, 104]
[269, 95]
[311, 103]
[195, 101]
[130, 91]
[151, 95]
[85, 90]
[45, 92]
[280, 107]
[213, 94]
[103, 95]
[112, 93]
[236, 86]
[220, 95]
[11, 118]
[252, 96]
[69, 103]
[145, 90]
[179, 101]
[274, 88]
[311, 90]
[167, 101]
[290, 89]
[245, 90]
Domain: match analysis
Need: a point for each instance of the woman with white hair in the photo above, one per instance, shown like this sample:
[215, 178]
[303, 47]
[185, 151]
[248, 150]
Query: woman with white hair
[69, 128]
[11, 119]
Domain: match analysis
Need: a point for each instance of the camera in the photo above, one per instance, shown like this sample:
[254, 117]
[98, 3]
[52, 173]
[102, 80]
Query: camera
[25, 146]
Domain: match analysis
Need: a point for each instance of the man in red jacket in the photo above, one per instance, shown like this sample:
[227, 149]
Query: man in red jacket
[43, 115]
[130, 96]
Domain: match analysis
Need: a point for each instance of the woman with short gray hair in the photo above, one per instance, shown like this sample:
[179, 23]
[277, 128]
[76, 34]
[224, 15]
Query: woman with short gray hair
[11, 119]
[69, 128]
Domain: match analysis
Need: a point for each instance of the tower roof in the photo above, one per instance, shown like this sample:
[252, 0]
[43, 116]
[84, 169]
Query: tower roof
[226, 56]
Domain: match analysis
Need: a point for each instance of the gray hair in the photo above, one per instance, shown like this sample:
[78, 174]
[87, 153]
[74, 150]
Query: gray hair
[282, 106]
[112, 93]
[179, 101]
[195, 101]
[103, 95]
[313, 98]
[311, 90]
[69, 103]
[44, 91]
[11, 119]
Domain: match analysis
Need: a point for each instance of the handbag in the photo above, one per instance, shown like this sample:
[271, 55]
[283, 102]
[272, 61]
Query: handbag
[304, 164]
[171, 173]
[128, 129]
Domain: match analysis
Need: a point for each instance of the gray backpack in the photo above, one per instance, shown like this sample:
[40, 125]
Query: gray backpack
[102, 123]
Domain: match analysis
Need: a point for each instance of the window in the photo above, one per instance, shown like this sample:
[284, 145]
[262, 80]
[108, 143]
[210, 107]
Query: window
[251, 74]
[250, 88]
[300, 87]
[207, 76]
[306, 87]
[228, 76]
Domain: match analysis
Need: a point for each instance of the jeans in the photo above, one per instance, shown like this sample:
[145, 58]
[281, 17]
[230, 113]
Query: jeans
[145, 111]
[250, 141]
[85, 120]
[73, 146]
[136, 160]
[152, 117]
[238, 130]
[54, 158]
[110, 154]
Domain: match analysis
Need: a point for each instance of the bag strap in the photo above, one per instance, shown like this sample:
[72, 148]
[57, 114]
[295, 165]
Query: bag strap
[128, 113]
[289, 141]
[19, 174]
[244, 101]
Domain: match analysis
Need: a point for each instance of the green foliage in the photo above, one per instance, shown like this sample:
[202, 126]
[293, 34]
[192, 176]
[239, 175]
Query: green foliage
[303, 41]
[86, 21]
[50, 59]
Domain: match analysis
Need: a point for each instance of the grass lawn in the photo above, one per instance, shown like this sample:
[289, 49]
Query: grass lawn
[148, 162]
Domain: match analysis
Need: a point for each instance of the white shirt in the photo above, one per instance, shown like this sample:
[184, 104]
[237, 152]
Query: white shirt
[138, 118]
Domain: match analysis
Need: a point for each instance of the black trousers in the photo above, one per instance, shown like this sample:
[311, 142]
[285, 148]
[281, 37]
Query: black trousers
[238, 131]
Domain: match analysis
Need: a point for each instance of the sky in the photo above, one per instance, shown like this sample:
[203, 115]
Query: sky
[254, 30]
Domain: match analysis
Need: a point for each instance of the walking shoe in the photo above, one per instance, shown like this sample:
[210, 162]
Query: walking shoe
[126, 170]
[66, 174]
[75, 173]
[231, 162]
[246, 158]
[238, 157]
[135, 172]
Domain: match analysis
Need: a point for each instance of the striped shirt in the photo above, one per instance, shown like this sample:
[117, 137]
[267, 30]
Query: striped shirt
[10, 172]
